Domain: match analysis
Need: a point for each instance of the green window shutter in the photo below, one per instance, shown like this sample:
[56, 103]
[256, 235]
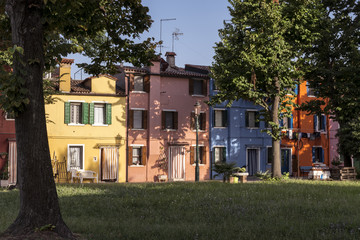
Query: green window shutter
[67, 113]
[108, 113]
[85, 113]
[91, 113]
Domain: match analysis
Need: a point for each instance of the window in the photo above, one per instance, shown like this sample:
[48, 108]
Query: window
[320, 123]
[318, 154]
[169, 120]
[220, 118]
[137, 155]
[269, 155]
[9, 116]
[138, 119]
[76, 113]
[99, 113]
[75, 157]
[310, 91]
[202, 121]
[202, 155]
[139, 83]
[197, 87]
[252, 119]
[287, 122]
[219, 154]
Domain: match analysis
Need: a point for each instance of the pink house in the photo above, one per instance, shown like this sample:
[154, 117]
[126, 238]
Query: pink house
[333, 140]
[161, 132]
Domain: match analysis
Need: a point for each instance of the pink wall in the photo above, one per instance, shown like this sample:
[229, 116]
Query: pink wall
[171, 93]
[333, 127]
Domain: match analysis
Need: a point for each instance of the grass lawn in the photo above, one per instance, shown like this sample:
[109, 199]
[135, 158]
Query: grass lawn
[208, 210]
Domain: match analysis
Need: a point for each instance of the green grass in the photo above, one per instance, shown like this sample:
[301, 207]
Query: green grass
[207, 210]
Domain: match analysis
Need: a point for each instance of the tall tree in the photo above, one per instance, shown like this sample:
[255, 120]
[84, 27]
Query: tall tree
[42, 32]
[257, 58]
[333, 70]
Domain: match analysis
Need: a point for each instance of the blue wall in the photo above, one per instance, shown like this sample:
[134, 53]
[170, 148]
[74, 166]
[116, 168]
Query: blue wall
[236, 137]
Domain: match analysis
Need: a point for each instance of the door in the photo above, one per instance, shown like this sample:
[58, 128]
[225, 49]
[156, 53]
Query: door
[253, 161]
[177, 163]
[285, 160]
[109, 163]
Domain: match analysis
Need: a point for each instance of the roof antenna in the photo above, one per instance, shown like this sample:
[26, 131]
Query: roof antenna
[161, 20]
[175, 35]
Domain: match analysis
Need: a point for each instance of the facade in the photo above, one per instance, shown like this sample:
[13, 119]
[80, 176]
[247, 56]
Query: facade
[333, 141]
[236, 136]
[307, 139]
[87, 125]
[161, 132]
[8, 145]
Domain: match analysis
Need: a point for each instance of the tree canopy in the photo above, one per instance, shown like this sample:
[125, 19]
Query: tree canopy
[257, 58]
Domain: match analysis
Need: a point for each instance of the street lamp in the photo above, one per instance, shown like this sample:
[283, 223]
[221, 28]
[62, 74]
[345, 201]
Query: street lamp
[197, 109]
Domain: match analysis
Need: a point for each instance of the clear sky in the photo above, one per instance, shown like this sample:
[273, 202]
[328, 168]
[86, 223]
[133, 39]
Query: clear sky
[198, 20]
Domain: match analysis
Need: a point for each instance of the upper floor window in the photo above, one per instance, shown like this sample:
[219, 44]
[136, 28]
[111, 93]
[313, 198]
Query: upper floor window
[220, 118]
[287, 122]
[197, 87]
[310, 91]
[169, 120]
[252, 119]
[84, 113]
[139, 83]
[320, 123]
[9, 116]
[219, 154]
[76, 113]
[318, 154]
[202, 121]
[138, 119]
[269, 155]
[99, 113]
[202, 155]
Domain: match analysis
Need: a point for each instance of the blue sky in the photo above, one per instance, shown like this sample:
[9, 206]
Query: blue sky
[198, 20]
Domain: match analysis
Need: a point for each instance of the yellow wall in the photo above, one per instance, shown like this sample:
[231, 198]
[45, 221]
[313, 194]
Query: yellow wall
[103, 84]
[65, 76]
[61, 134]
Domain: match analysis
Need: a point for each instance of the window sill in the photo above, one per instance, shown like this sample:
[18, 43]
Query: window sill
[252, 128]
[169, 130]
[137, 129]
[199, 130]
[100, 125]
[9, 119]
[138, 92]
[200, 164]
[312, 96]
[198, 95]
[136, 166]
[76, 124]
[220, 127]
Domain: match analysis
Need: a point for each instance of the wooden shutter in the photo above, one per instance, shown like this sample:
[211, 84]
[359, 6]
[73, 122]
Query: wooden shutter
[130, 155]
[203, 121]
[67, 113]
[191, 86]
[131, 82]
[85, 113]
[144, 119]
[147, 83]
[224, 154]
[192, 120]
[175, 119]
[131, 119]
[203, 155]
[224, 118]
[192, 155]
[163, 116]
[108, 113]
[204, 87]
[91, 113]
[143, 155]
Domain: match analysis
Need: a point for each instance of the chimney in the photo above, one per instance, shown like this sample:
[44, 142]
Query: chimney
[65, 75]
[170, 58]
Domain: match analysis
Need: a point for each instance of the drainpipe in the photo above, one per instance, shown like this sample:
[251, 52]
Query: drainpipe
[299, 130]
[127, 82]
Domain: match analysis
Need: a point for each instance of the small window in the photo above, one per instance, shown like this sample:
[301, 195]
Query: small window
[310, 91]
[202, 121]
[219, 154]
[202, 155]
[9, 116]
[220, 118]
[269, 155]
[99, 113]
[75, 157]
[318, 154]
[138, 119]
[197, 87]
[252, 119]
[320, 123]
[76, 113]
[287, 122]
[138, 83]
[137, 155]
[169, 120]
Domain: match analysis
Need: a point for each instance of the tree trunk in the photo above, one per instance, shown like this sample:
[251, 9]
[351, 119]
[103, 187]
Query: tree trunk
[276, 164]
[39, 204]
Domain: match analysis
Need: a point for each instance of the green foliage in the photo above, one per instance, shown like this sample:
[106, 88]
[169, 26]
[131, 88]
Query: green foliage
[332, 66]
[47, 227]
[266, 176]
[257, 58]
[4, 173]
[226, 170]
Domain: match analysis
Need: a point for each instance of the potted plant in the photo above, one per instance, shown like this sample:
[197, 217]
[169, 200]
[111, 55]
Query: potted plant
[4, 175]
[3, 159]
[241, 174]
[228, 171]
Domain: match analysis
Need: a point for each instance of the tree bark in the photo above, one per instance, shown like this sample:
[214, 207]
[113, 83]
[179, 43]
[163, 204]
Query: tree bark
[276, 164]
[39, 204]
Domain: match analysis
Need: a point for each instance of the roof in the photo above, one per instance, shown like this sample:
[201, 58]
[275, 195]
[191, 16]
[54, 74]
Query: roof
[67, 61]
[78, 86]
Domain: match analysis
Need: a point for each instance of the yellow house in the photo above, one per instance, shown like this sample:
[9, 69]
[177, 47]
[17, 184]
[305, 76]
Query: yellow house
[87, 125]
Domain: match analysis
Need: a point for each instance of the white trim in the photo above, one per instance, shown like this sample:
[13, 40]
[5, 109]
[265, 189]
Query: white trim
[138, 109]
[218, 146]
[99, 102]
[99, 125]
[251, 110]
[200, 145]
[83, 155]
[8, 119]
[138, 92]
[169, 110]
[137, 145]
[197, 95]
[79, 101]
[220, 108]
[75, 124]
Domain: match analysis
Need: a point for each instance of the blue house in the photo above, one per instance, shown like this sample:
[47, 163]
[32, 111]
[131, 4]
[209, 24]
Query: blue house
[236, 136]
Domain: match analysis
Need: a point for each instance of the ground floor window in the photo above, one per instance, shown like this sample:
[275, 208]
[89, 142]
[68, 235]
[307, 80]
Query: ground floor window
[202, 155]
[219, 154]
[75, 157]
[137, 155]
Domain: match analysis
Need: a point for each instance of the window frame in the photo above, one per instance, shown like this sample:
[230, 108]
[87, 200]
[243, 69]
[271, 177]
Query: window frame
[318, 121]
[202, 153]
[143, 155]
[7, 118]
[92, 121]
[310, 92]
[223, 151]
[81, 106]
[175, 119]
[314, 153]
[82, 153]
[224, 118]
[203, 87]
[143, 119]
[256, 118]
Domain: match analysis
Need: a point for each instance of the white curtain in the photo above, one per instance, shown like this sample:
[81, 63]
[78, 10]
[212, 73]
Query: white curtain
[75, 157]
[177, 163]
[12, 163]
[109, 163]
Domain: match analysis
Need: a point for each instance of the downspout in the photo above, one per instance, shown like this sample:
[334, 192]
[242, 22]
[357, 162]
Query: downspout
[127, 79]
[299, 130]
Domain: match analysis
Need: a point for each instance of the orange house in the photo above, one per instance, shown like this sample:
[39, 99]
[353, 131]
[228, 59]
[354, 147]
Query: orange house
[306, 140]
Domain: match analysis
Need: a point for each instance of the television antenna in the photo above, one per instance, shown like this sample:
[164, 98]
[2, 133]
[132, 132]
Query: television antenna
[175, 35]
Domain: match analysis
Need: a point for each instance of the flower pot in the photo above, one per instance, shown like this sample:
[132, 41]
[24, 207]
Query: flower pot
[242, 176]
[234, 179]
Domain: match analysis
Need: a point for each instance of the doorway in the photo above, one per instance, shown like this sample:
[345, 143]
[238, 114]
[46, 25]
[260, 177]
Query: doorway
[177, 163]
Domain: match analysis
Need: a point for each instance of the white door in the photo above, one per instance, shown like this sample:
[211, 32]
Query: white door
[176, 163]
